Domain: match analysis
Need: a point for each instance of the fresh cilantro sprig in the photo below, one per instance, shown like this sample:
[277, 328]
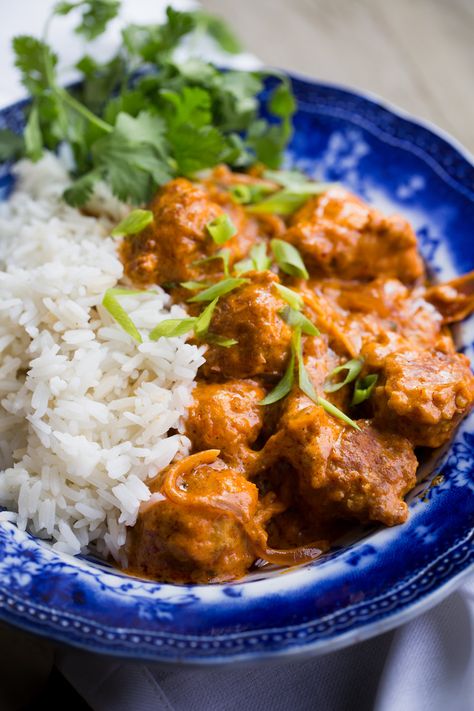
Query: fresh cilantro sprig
[142, 118]
[95, 15]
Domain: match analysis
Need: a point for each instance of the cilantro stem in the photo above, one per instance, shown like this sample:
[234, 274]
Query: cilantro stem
[81, 109]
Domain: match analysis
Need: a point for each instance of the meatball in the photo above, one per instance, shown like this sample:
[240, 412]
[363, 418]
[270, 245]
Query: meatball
[424, 395]
[344, 473]
[336, 232]
[166, 250]
[226, 416]
[193, 527]
[250, 315]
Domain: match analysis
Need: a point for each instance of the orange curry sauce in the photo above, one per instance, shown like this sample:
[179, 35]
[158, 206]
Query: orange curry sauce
[279, 482]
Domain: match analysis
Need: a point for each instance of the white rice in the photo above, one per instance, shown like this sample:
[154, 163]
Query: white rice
[85, 411]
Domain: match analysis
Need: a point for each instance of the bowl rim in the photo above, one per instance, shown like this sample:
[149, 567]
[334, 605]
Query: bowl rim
[306, 648]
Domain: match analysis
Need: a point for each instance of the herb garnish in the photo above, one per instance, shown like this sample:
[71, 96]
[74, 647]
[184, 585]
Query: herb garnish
[220, 289]
[223, 254]
[353, 368]
[288, 259]
[246, 194]
[221, 229]
[258, 259]
[363, 388]
[136, 132]
[134, 222]
[283, 387]
[118, 313]
[291, 297]
[295, 319]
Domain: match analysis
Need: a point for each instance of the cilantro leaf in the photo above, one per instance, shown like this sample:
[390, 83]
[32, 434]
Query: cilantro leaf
[191, 106]
[196, 148]
[96, 15]
[133, 170]
[145, 128]
[100, 80]
[81, 190]
[153, 42]
[36, 62]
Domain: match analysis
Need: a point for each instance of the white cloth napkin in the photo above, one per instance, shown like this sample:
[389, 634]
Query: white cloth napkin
[426, 665]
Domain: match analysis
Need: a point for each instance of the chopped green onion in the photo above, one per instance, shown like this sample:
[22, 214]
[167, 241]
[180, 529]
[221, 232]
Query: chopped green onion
[135, 222]
[244, 194]
[217, 340]
[123, 291]
[283, 387]
[221, 229]
[195, 285]
[353, 368]
[259, 257]
[245, 265]
[336, 412]
[219, 289]
[307, 387]
[290, 296]
[287, 178]
[296, 319]
[258, 260]
[286, 201]
[241, 194]
[223, 254]
[172, 327]
[118, 313]
[288, 258]
[204, 319]
[363, 388]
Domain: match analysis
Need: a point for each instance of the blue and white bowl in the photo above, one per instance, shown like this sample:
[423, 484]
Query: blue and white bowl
[382, 577]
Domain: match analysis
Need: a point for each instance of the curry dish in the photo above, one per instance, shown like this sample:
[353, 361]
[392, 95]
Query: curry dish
[315, 399]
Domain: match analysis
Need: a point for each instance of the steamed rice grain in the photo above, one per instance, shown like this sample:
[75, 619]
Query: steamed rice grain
[85, 411]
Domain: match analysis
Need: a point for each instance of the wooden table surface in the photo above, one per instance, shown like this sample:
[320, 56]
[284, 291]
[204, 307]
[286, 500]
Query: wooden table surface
[418, 54]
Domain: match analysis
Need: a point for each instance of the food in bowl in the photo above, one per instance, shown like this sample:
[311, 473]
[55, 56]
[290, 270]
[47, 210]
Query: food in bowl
[235, 381]
[233, 373]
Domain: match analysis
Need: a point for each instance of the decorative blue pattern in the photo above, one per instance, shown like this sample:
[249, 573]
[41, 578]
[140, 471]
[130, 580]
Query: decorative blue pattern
[383, 576]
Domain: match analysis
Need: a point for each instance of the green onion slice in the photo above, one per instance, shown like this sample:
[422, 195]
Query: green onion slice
[118, 313]
[245, 265]
[219, 289]
[245, 194]
[172, 327]
[203, 321]
[336, 412]
[195, 285]
[288, 258]
[223, 254]
[135, 222]
[291, 297]
[218, 340]
[286, 201]
[221, 229]
[282, 388]
[259, 257]
[363, 388]
[296, 319]
[353, 368]
[287, 178]
[307, 387]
